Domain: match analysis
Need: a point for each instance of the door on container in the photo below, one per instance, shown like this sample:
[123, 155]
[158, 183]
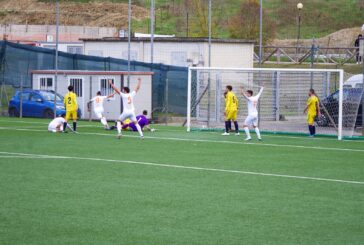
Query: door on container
[78, 88]
[111, 105]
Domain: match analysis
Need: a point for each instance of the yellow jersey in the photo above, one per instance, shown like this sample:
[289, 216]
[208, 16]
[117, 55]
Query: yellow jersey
[232, 102]
[70, 101]
[312, 103]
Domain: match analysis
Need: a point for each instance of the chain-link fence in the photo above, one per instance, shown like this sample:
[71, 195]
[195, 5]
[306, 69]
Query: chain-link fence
[169, 83]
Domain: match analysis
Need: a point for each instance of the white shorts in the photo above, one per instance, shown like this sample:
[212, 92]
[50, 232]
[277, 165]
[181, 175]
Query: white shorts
[128, 115]
[53, 128]
[99, 113]
[251, 121]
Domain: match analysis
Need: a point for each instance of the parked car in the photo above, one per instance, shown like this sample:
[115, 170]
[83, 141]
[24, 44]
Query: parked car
[330, 108]
[37, 103]
[355, 81]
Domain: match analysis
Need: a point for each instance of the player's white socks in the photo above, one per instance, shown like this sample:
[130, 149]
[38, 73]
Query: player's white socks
[104, 122]
[139, 129]
[257, 132]
[246, 129]
[118, 126]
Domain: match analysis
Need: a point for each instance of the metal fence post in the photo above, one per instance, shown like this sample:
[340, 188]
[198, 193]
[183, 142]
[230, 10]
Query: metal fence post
[362, 99]
[21, 98]
[209, 63]
[166, 98]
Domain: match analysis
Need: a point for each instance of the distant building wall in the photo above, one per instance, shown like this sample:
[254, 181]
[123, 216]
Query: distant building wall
[69, 47]
[178, 53]
[40, 33]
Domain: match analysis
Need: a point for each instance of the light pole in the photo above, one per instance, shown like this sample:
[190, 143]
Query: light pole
[129, 40]
[56, 60]
[152, 9]
[299, 7]
[260, 33]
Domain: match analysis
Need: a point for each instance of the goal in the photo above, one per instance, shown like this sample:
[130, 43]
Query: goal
[282, 104]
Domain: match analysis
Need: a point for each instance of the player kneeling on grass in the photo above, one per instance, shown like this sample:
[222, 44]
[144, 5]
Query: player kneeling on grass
[128, 105]
[231, 110]
[142, 121]
[252, 118]
[57, 124]
[312, 109]
[98, 103]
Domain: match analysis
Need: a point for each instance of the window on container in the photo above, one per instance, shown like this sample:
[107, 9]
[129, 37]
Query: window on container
[105, 87]
[46, 83]
[77, 86]
[75, 49]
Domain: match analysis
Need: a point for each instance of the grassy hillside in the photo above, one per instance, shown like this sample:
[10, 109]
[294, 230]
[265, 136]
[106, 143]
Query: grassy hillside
[319, 18]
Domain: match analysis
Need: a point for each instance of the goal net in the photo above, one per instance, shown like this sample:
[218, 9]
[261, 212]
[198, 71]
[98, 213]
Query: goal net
[281, 106]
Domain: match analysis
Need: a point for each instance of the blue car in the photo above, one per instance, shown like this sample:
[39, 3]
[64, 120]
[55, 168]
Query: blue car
[37, 103]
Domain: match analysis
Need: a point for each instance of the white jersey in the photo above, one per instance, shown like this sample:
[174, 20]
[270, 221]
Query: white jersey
[98, 102]
[128, 101]
[253, 103]
[56, 122]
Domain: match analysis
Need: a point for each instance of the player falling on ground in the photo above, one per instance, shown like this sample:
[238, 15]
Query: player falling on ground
[70, 102]
[57, 124]
[252, 118]
[98, 104]
[128, 107]
[312, 109]
[231, 110]
[142, 121]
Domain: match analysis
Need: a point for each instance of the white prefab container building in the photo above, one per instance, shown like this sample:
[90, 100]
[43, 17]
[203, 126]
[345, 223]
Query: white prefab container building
[69, 47]
[176, 51]
[88, 83]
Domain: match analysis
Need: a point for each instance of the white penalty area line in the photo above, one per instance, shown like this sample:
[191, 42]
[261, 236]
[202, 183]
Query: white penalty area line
[207, 141]
[40, 156]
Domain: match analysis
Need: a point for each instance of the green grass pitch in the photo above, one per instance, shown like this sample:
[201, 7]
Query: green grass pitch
[176, 187]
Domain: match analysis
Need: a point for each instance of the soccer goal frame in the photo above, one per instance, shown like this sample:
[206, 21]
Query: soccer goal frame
[191, 106]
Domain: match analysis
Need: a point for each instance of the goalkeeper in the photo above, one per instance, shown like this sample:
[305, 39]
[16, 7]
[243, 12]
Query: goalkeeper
[312, 109]
[231, 111]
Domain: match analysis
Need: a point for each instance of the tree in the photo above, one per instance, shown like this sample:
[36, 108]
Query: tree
[200, 25]
[245, 24]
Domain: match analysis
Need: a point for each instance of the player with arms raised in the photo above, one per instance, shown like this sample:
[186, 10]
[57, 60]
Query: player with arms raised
[98, 103]
[128, 105]
[312, 109]
[252, 118]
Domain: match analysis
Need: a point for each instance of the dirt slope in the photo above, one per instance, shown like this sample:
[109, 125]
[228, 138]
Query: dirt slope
[90, 14]
[342, 38]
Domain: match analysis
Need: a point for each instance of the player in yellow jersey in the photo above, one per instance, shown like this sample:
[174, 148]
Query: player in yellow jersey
[312, 109]
[231, 110]
[70, 102]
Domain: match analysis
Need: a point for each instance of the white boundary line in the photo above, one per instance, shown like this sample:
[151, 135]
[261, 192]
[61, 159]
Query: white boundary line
[38, 156]
[206, 132]
[207, 141]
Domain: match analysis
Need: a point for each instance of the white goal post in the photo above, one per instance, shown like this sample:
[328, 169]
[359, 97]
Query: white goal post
[282, 102]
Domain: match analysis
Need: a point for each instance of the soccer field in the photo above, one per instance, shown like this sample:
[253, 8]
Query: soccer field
[175, 187]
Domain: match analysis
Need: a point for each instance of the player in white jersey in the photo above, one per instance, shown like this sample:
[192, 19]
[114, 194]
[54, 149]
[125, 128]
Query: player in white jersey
[252, 118]
[56, 125]
[98, 103]
[128, 107]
